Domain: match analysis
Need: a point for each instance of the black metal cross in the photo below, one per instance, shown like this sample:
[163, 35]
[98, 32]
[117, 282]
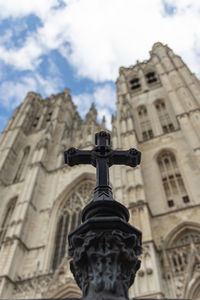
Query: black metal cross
[102, 157]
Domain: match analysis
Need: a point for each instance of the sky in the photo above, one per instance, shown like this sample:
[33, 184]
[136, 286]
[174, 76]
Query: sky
[49, 45]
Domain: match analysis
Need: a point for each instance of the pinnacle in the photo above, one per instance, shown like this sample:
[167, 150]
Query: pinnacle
[103, 122]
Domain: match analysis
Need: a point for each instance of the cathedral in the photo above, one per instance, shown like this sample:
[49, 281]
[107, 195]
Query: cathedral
[158, 113]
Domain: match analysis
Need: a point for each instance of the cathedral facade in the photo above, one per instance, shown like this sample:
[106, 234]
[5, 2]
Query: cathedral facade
[158, 113]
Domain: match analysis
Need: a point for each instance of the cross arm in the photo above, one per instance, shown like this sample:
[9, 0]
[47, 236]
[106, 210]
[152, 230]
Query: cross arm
[131, 157]
[74, 157]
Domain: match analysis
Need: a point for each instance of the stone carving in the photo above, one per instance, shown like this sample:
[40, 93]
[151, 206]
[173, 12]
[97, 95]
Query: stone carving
[183, 255]
[24, 286]
[104, 262]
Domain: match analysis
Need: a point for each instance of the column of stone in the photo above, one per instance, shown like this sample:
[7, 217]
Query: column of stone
[25, 204]
[178, 108]
[188, 77]
[140, 218]
[41, 116]
[15, 137]
[180, 80]
[195, 120]
[26, 110]
[9, 155]
[121, 126]
[7, 253]
[62, 116]
[144, 85]
[10, 248]
[7, 129]
[122, 88]
[147, 275]
[25, 200]
[115, 171]
[130, 141]
[175, 92]
[155, 122]
[169, 286]
[15, 246]
[195, 88]
[188, 131]
[114, 134]
[9, 140]
[122, 93]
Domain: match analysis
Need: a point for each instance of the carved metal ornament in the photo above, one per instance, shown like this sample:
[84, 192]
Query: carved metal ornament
[104, 247]
[104, 263]
[102, 157]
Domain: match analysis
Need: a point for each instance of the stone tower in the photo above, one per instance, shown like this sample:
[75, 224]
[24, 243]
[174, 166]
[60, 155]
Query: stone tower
[158, 112]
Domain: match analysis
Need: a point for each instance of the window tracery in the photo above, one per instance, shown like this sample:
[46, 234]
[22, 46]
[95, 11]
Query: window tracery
[171, 178]
[7, 219]
[70, 218]
[181, 261]
[180, 251]
[165, 121]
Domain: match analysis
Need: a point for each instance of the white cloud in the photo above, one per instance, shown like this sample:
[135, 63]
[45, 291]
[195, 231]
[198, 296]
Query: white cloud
[21, 8]
[25, 58]
[103, 35]
[104, 98]
[12, 93]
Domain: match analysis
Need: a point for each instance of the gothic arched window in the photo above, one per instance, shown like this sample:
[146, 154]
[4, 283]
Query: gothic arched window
[70, 217]
[171, 178]
[22, 165]
[165, 120]
[145, 124]
[181, 262]
[183, 255]
[7, 218]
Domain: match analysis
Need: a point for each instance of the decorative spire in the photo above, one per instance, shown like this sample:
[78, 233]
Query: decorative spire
[92, 113]
[103, 122]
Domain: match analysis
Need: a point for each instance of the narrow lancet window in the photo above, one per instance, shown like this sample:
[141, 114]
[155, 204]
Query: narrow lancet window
[145, 124]
[165, 120]
[171, 178]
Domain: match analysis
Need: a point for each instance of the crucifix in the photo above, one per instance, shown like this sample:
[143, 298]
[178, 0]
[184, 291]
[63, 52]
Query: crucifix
[104, 248]
[102, 157]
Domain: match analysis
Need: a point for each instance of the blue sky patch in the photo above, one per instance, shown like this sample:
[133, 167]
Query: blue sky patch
[169, 9]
